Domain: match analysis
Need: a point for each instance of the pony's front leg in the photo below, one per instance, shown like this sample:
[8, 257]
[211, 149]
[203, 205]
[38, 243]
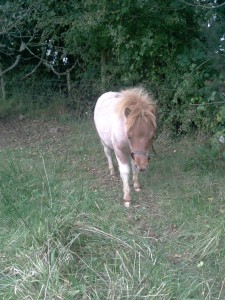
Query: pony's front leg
[124, 173]
[137, 186]
[108, 154]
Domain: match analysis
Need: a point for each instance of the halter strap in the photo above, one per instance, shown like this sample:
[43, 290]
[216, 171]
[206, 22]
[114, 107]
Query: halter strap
[141, 153]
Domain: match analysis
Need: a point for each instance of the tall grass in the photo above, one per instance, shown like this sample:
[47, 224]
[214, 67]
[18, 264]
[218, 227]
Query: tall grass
[65, 234]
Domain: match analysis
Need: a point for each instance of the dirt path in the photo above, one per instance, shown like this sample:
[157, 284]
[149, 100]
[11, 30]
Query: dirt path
[26, 132]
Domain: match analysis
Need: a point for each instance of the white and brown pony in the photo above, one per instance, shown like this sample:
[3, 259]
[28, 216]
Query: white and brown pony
[126, 123]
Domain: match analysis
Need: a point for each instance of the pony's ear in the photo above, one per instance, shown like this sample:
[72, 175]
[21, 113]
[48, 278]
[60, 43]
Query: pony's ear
[127, 111]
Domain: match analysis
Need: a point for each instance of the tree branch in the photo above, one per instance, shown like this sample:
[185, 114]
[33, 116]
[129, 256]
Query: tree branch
[18, 57]
[34, 70]
[55, 72]
[203, 6]
[12, 66]
[51, 67]
[209, 103]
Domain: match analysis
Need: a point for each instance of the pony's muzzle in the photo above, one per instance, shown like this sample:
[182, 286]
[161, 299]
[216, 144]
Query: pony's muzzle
[141, 160]
[140, 168]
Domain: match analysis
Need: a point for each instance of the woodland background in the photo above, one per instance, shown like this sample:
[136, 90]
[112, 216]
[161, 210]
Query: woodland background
[75, 50]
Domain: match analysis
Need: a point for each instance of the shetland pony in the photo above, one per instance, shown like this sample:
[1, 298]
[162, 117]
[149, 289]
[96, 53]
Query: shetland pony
[126, 124]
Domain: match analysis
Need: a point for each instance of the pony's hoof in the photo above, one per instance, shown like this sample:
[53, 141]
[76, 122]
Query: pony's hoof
[113, 173]
[127, 204]
[138, 190]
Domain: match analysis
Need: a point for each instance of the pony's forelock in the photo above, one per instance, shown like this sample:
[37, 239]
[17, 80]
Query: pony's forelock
[140, 105]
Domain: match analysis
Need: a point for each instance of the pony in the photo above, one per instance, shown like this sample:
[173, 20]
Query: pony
[126, 124]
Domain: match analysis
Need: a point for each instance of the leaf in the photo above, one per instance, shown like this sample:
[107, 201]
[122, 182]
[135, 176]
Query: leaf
[222, 112]
[223, 154]
[212, 97]
[201, 107]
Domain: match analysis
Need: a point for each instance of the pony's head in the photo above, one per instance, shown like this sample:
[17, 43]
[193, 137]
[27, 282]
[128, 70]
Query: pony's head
[139, 111]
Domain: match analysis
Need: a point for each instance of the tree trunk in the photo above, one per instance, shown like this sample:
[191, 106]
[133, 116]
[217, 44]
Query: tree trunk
[68, 80]
[103, 70]
[2, 83]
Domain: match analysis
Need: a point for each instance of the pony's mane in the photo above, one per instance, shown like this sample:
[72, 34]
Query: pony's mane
[139, 104]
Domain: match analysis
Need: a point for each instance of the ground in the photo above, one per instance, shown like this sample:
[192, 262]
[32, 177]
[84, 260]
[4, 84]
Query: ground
[26, 132]
[66, 235]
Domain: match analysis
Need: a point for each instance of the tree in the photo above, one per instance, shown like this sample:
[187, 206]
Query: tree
[168, 46]
[13, 40]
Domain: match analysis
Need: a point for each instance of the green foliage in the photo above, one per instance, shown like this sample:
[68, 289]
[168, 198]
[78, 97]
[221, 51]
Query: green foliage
[174, 49]
[213, 153]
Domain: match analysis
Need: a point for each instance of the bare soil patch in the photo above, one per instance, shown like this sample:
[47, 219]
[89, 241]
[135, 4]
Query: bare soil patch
[26, 132]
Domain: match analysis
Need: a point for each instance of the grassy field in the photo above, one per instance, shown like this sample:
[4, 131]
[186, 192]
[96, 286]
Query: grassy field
[66, 235]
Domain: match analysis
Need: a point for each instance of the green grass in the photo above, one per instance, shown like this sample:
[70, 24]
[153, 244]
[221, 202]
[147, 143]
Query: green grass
[66, 235]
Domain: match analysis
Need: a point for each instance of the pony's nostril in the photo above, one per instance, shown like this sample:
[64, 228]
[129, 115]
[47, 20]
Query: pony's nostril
[140, 169]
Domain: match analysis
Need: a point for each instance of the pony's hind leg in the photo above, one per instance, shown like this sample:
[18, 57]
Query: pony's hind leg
[108, 154]
[137, 186]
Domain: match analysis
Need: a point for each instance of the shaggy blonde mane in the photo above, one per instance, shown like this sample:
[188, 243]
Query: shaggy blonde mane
[139, 104]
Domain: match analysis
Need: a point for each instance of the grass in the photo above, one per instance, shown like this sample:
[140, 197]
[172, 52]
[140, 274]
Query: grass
[65, 234]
